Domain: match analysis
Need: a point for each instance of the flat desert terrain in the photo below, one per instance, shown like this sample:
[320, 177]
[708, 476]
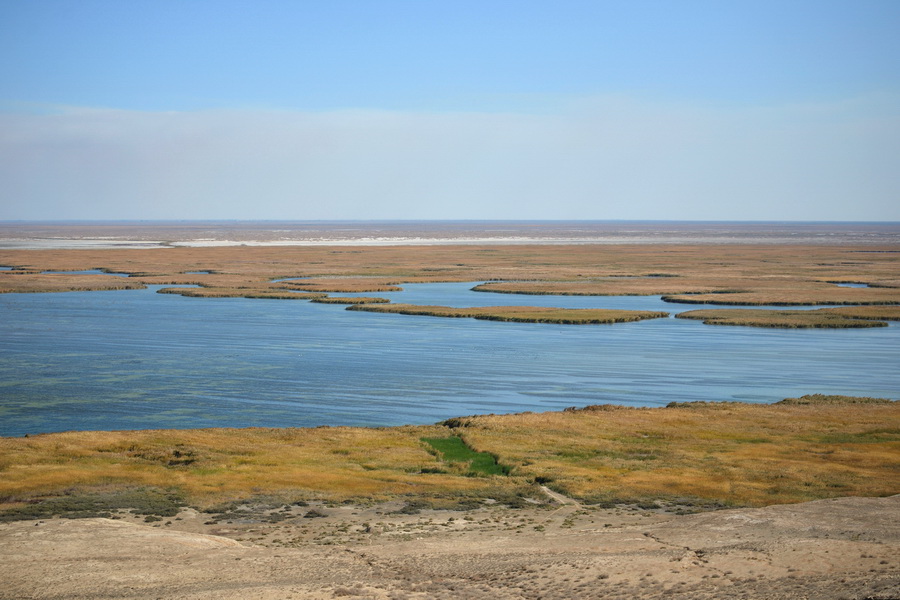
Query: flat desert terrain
[836, 548]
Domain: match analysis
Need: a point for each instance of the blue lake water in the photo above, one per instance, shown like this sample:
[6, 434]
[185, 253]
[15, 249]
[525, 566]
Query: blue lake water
[138, 360]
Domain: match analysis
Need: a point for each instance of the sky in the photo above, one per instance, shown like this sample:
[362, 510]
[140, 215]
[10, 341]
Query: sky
[427, 109]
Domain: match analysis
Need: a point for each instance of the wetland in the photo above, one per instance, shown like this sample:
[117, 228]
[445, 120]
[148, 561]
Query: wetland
[300, 448]
[220, 349]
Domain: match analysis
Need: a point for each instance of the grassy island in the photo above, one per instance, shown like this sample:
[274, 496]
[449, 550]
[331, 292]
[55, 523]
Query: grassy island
[519, 314]
[351, 300]
[831, 318]
[259, 293]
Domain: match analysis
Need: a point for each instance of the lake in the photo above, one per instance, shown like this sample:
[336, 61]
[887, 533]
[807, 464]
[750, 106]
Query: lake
[138, 360]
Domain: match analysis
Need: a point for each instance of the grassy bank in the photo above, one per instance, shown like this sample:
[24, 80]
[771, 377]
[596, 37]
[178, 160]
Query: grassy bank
[724, 454]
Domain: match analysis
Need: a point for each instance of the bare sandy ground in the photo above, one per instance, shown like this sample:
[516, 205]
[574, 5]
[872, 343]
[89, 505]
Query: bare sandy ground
[844, 548]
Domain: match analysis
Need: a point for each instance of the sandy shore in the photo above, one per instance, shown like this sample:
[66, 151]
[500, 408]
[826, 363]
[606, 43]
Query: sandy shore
[844, 548]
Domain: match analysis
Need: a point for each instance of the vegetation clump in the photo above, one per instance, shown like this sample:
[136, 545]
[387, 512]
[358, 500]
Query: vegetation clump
[878, 313]
[520, 314]
[30, 282]
[351, 300]
[259, 293]
[655, 285]
[786, 319]
[350, 285]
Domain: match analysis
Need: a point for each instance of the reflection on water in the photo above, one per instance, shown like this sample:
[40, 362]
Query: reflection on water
[136, 359]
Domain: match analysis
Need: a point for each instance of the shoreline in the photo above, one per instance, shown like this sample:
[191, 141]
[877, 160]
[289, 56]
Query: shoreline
[591, 455]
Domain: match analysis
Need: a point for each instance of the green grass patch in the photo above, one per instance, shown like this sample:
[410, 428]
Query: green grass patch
[454, 450]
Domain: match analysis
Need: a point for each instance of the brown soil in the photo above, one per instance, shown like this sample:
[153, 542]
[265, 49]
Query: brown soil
[840, 548]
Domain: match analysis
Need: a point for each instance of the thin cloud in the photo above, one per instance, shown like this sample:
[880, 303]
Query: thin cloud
[600, 158]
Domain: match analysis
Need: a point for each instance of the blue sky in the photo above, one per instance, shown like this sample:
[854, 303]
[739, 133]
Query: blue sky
[423, 109]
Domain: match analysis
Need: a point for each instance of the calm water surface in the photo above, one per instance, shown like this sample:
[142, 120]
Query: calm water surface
[138, 360]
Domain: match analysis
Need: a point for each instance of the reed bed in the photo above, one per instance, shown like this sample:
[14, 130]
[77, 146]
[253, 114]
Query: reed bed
[217, 280]
[878, 313]
[784, 319]
[798, 294]
[612, 286]
[33, 283]
[351, 300]
[345, 285]
[519, 314]
[259, 293]
[724, 290]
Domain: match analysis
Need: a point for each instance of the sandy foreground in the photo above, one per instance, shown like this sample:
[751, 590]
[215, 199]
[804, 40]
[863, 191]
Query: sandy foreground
[842, 548]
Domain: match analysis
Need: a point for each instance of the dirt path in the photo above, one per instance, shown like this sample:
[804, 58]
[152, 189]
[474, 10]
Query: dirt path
[559, 498]
[845, 548]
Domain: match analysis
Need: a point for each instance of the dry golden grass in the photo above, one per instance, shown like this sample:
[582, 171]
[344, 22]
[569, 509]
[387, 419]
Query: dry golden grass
[732, 453]
[785, 319]
[216, 292]
[352, 300]
[214, 280]
[738, 454]
[12, 282]
[797, 293]
[878, 313]
[344, 285]
[726, 289]
[612, 286]
[217, 465]
[519, 314]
